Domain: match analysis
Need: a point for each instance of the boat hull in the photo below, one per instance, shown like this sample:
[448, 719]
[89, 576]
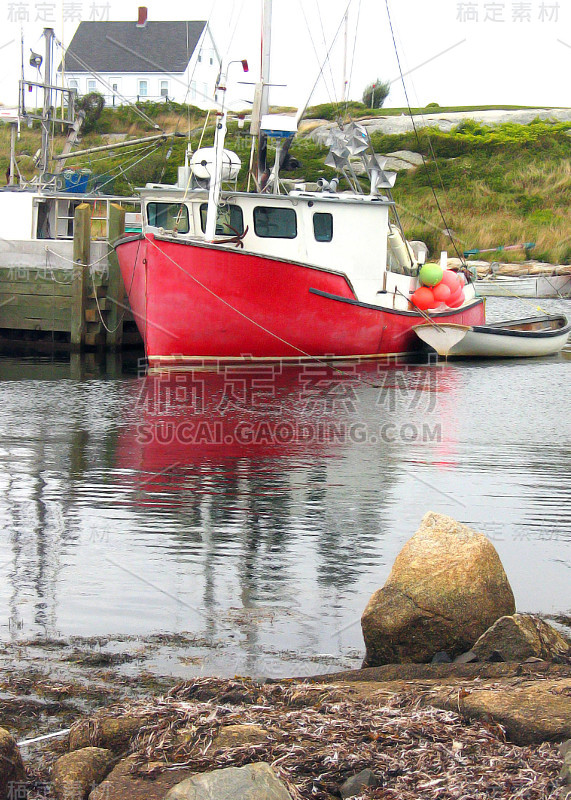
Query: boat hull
[489, 342]
[198, 302]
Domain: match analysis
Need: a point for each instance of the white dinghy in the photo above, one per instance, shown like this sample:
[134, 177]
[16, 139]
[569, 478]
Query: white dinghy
[519, 338]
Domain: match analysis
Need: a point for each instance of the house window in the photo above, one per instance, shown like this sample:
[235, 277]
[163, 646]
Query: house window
[73, 85]
[168, 216]
[164, 88]
[229, 221]
[275, 223]
[211, 61]
[200, 57]
[91, 86]
[143, 88]
[323, 227]
[193, 90]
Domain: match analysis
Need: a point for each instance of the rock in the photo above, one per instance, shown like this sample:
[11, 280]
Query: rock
[239, 735]
[466, 658]
[447, 586]
[353, 786]
[531, 714]
[12, 770]
[414, 159]
[113, 733]
[519, 637]
[122, 784]
[75, 774]
[393, 162]
[252, 782]
[441, 658]
[565, 752]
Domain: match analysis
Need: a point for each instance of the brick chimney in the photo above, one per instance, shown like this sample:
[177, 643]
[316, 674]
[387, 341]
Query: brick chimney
[142, 20]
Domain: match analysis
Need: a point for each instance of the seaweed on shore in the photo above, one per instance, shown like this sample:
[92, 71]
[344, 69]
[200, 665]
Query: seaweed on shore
[315, 738]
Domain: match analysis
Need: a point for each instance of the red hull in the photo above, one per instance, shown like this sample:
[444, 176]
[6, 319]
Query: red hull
[194, 301]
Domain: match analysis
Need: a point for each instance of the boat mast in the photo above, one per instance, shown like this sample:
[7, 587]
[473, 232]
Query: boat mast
[264, 89]
[47, 110]
[345, 42]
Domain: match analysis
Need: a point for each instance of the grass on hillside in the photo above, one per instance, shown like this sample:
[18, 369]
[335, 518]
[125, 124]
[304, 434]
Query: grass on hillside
[498, 185]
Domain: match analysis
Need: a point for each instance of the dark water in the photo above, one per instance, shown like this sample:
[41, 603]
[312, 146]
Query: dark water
[259, 510]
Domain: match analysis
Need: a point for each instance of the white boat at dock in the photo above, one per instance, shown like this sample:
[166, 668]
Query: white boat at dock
[540, 286]
[520, 338]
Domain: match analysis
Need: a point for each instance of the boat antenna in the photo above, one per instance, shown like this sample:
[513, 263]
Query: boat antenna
[430, 183]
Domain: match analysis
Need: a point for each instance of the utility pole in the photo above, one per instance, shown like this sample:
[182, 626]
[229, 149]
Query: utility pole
[47, 110]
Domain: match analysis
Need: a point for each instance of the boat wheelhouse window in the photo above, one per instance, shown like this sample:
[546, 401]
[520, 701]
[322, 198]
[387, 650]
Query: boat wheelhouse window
[168, 216]
[323, 227]
[275, 223]
[229, 221]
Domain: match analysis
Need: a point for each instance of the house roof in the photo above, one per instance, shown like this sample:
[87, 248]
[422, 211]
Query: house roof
[126, 47]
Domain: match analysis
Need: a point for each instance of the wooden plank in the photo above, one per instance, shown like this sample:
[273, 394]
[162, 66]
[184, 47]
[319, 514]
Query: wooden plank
[92, 314]
[20, 323]
[40, 289]
[34, 306]
[81, 255]
[36, 288]
[34, 274]
[115, 286]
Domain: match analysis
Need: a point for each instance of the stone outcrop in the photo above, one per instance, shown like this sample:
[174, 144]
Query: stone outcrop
[114, 733]
[446, 588]
[441, 120]
[11, 767]
[565, 752]
[531, 713]
[519, 637]
[124, 784]
[239, 736]
[252, 782]
[75, 774]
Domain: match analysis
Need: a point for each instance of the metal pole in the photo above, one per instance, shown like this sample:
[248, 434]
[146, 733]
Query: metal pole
[13, 128]
[264, 86]
[46, 114]
[116, 145]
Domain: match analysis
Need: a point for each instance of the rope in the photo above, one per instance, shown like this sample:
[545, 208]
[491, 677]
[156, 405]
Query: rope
[125, 308]
[71, 261]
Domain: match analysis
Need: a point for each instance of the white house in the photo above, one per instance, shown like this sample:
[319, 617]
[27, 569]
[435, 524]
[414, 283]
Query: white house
[143, 60]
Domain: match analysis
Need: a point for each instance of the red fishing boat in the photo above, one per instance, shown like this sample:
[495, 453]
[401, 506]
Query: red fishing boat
[223, 275]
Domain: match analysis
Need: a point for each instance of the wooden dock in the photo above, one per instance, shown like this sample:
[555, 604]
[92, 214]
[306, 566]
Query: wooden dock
[68, 303]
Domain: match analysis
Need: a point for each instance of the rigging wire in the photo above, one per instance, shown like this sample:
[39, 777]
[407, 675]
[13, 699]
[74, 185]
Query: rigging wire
[328, 61]
[352, 57]
[314, 47]
[426, 130]
[430, 183]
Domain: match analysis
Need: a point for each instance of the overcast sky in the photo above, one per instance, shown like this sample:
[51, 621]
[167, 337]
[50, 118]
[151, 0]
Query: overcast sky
[454, 53]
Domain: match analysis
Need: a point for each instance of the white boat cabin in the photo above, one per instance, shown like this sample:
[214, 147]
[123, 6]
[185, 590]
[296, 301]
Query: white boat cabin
[321, 229]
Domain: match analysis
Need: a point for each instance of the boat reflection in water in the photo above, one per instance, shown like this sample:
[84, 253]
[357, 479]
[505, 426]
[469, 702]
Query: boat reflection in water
[263, 413]
[272, 485]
